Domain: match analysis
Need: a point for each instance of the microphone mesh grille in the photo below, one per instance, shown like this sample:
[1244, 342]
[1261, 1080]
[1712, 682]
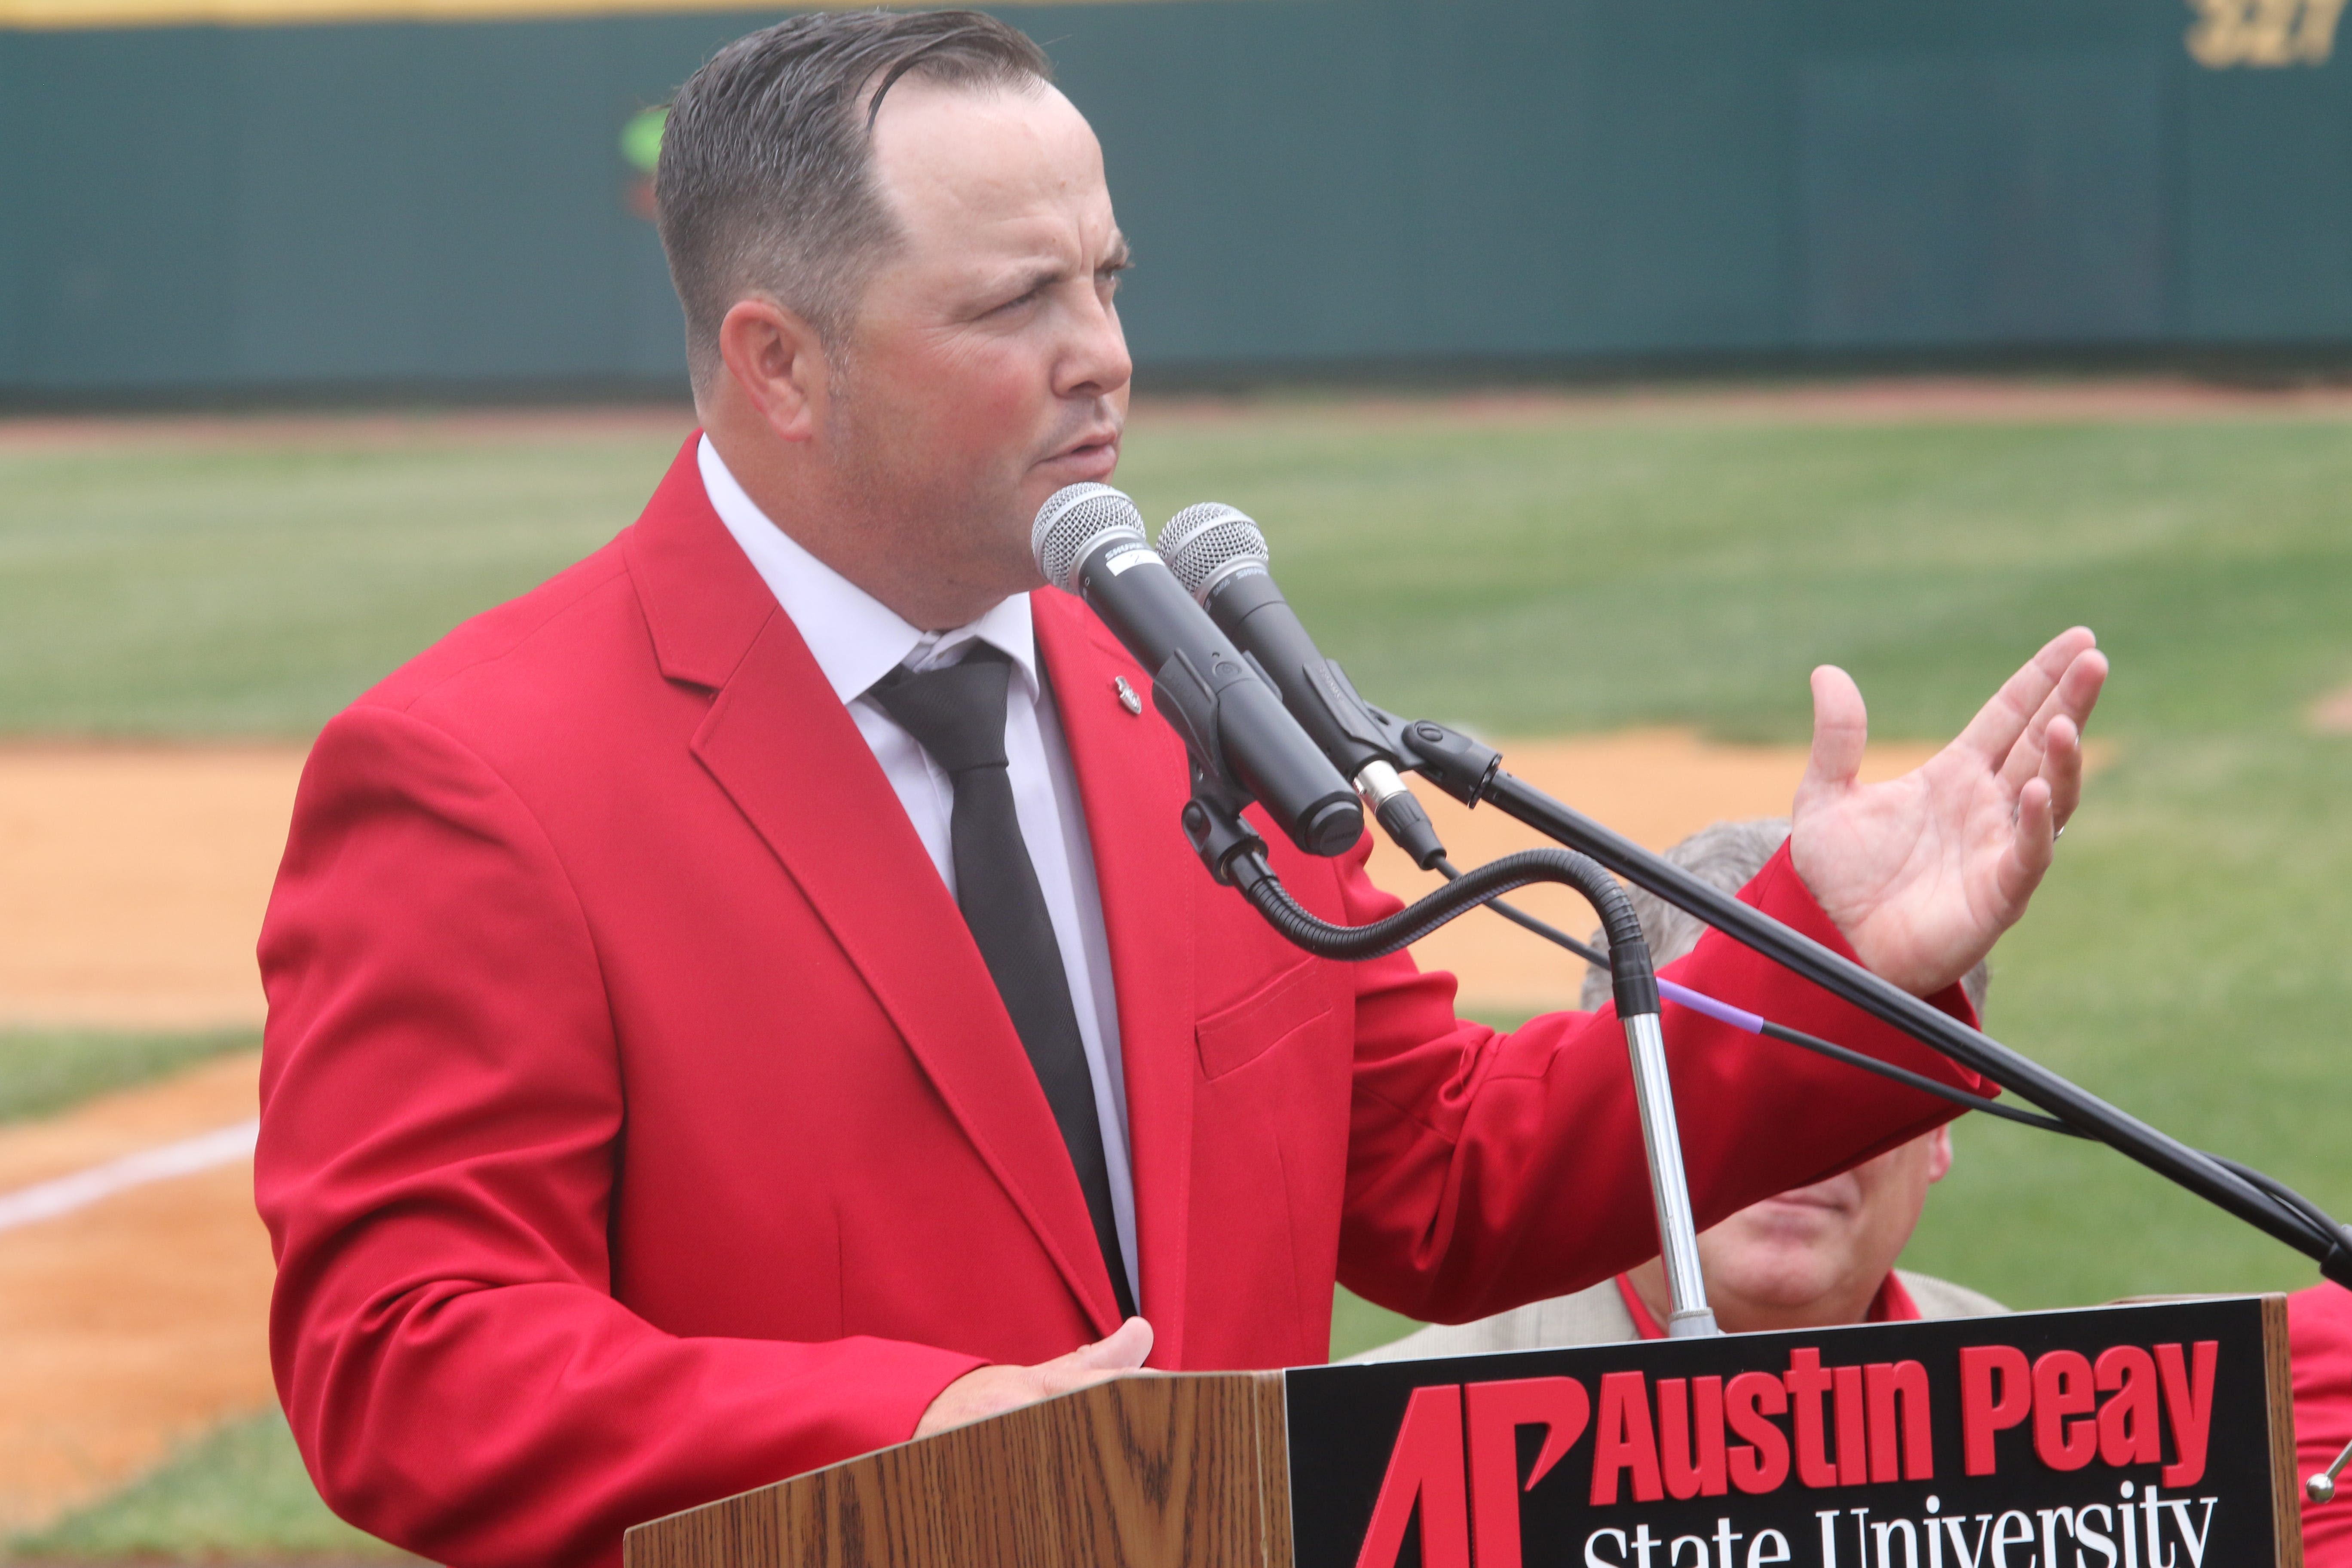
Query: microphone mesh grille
[1202, 541]
[1069, 523]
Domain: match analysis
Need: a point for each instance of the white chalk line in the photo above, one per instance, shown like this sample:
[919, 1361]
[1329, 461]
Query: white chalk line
[49, 1200]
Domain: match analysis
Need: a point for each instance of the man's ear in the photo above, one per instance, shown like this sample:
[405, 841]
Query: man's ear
[1939, 1154]
[777, 361]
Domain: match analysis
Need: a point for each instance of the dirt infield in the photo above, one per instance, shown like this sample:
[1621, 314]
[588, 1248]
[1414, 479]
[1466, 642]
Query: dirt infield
[132, 880]
[139, 1320]
[2332, 714]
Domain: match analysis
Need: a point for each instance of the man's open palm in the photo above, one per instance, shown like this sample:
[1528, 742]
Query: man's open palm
[1922, 873]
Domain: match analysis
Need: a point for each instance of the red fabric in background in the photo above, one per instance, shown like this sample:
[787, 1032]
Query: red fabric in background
[2319, 1342]
[640, 1124]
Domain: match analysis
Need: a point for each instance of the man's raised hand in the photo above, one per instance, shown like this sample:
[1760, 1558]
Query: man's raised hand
[993, 1390]
[1922, 873]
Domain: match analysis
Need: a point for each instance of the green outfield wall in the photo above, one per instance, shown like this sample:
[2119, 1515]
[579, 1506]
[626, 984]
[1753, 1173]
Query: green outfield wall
[1310, 184]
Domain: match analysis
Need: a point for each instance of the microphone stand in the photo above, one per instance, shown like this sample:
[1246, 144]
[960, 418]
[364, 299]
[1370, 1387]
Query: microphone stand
[1653, 1095]
[1471, 773]
[1374, 747]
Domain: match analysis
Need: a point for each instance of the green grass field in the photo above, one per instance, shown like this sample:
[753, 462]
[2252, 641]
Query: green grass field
[46, 1070]
[239, 1493]
[1532, 575]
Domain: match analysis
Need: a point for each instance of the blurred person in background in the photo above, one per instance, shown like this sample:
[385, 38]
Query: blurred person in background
[1814, 1257]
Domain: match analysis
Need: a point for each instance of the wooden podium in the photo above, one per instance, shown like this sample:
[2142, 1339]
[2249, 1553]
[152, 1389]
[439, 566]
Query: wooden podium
[1179, 1469]
[2164, 1429]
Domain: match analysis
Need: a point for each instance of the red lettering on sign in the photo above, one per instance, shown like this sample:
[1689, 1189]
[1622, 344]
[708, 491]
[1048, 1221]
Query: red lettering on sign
[1760, 1464]
[1495, 1412]
[1985, 1410]
[1906, 1381]
[1854, 1455]
[2188, 1407]
[1624, 1440]
[1690, 1437]
[1426, 1467]
[2129, 1433]
[2062, 1389]
[1807, 1382]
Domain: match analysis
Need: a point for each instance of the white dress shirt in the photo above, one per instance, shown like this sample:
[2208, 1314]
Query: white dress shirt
[856, 641]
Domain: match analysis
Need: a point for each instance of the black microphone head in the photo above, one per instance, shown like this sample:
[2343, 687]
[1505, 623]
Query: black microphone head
[1206, 543]
[1072, 521]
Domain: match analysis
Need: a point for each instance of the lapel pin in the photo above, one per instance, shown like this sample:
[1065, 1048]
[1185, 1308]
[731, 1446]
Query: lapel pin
[1127, 697]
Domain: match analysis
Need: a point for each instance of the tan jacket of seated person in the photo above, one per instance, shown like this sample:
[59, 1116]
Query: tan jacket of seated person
[1811, 1258]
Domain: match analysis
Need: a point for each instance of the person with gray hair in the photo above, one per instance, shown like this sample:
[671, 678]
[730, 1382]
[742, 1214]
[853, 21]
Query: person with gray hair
[1726, 855]
[1811, 1258]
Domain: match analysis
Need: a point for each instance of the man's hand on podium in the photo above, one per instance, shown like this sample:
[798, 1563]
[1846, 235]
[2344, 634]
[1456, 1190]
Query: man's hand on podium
[993, 1390]
[1922, 873]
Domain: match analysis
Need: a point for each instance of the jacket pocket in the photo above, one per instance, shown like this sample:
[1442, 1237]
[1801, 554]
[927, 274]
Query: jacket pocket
[1290, 1003]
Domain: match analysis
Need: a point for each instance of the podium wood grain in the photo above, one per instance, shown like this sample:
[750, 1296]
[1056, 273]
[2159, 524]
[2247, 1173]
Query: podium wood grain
[2286, 1485]
[1184, 1471]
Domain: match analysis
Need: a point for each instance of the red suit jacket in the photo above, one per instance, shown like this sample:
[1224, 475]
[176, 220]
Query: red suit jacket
[640, 1123]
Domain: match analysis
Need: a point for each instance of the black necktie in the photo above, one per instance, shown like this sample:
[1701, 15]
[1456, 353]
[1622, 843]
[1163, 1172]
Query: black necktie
[956, 714]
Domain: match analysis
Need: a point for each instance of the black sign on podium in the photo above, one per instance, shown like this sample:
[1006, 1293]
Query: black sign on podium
[2152, 1435]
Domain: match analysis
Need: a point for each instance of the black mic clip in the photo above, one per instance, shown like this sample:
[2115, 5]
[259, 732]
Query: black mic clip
[1378, 751]
[1194, 704]
[1232, 701]
[1450, 759]
[1214, 827]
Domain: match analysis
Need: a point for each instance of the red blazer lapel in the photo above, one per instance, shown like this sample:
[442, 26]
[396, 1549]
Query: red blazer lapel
[1132, 781]
[782, 745]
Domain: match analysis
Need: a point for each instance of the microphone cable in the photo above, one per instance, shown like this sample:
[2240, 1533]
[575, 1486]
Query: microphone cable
[2321, 1225]
[1756, 1024]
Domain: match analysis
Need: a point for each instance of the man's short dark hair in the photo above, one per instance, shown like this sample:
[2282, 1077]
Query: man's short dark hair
[766, 179]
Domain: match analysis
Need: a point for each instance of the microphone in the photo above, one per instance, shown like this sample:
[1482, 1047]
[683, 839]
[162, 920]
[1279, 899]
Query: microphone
[1220, 557]
[1088, 539]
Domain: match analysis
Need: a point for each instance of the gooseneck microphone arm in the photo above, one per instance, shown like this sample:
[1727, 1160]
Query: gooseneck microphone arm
[1631, 974]
[1219, 556]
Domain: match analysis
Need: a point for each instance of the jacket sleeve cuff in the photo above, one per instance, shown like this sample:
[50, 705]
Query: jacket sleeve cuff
[1788, 999]
[1779, 892]
[908, 1379]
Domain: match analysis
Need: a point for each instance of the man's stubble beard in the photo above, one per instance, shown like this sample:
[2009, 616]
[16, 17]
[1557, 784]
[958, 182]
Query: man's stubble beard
[971, 524]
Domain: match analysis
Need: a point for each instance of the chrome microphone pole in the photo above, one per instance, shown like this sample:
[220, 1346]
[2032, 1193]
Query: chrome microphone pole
[1689, 1316]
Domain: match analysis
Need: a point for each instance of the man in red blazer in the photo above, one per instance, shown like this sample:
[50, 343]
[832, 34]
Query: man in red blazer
[642, 1120]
